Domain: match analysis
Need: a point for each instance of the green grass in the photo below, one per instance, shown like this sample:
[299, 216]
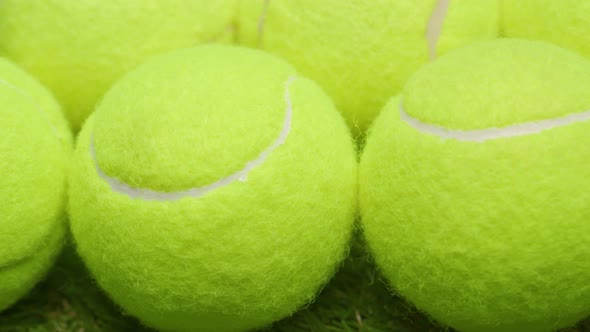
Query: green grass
[355, 300]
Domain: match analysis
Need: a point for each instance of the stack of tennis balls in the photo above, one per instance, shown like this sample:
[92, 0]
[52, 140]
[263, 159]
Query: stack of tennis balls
[78, 49]
[34, 151]
[474, 188]
[213, 189]
[562, 23]
[361, 51]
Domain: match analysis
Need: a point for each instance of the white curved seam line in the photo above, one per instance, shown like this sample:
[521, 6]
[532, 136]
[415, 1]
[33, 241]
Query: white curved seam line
[482, 135]
[241, 175]
[37, 106]
[261, 23]
[435, 25]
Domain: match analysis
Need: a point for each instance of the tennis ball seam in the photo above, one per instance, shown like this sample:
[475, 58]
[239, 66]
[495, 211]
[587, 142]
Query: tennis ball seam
[481, 135]
[240, 175]
[261, 23]
[37, 107]
[44, 243]
[433, 27]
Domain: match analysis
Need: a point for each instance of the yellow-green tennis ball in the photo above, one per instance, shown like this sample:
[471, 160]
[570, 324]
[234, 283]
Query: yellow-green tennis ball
[78, 49]
[213, 189]
[34, 152]
[564, 23]
[474, 188]
[361, 51]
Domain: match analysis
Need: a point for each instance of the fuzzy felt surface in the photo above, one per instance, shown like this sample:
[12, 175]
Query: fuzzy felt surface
[34, 152]
[562, 23]
[238, 257]
[18, 278]
[78, 49]
[363, 51]
[485, 235]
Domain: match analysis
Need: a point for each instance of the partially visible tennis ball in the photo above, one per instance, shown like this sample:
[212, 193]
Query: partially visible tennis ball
[78, 49]
[34, 152]
[213, 189]
[474, 188]
[564, 23]
[361, 52]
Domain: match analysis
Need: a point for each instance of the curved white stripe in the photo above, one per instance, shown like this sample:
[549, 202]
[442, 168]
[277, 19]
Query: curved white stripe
[435, 26]
[241, 175]
[481, 135]
[37, 106]
[261, 23]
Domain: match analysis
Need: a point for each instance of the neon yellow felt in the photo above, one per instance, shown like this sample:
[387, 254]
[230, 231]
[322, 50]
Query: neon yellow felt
[485, 235]
[17, 77]
[560, 70]
[34, 152]
[78, 49]
[362, 52]
[239, 256]
[189, 113]
[562, 23]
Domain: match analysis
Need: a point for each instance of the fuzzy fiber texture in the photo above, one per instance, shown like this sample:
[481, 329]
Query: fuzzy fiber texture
[363, 51]
[34, 151]
[485, 235]
[78, 49]
[237, 257]
[562, 23]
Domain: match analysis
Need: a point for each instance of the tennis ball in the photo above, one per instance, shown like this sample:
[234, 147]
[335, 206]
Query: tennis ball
[562, 23]
[474, 188]
[78, 49]
[34, 150]
[213, 189]
[363, 51]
